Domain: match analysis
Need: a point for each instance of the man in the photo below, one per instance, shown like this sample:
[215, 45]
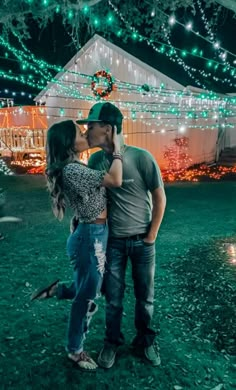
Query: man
[135, 212]
[134, 220]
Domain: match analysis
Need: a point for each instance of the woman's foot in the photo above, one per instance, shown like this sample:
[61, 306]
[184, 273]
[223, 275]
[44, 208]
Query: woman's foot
[45, 292]
[83, 361]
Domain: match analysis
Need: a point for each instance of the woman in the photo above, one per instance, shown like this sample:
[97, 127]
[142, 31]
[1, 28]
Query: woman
[83, 189]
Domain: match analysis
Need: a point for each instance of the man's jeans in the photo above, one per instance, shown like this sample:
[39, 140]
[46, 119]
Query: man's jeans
[142, 256]
[86, 248]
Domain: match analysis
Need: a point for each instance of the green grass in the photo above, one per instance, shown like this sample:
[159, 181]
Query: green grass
[195, 302]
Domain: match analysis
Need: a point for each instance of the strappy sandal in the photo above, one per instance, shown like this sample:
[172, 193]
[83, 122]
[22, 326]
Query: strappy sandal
[45, 290]
[83, 361]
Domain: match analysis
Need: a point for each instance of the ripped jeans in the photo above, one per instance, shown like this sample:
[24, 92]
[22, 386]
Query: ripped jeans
[86, 248]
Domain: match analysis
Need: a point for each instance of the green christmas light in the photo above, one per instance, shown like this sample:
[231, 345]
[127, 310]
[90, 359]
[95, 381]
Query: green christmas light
[85, 9]
[173, 54]
[70, 14]
[110, 18]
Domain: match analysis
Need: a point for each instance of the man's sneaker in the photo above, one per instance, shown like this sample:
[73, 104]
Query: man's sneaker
[107, 356]
[152, 354]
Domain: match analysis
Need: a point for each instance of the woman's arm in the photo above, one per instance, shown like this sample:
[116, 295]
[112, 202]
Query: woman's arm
[113, 178]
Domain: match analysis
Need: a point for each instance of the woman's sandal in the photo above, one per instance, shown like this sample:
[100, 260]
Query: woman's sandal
[38, 294]
[83, 361]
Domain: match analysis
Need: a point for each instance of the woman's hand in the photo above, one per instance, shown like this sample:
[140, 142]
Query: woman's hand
[116, 141]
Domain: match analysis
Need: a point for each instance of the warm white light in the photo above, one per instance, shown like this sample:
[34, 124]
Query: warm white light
[182, 129]
[223, 56]
[172, 20]
[153, 131]
[189, 26]
[163, 131]
[217, 45]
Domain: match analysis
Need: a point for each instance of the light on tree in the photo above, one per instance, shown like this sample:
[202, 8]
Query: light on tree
[110, 18]
[85, 9]
[172, 20]
[70, 14]
[216, 45]
[189, 26]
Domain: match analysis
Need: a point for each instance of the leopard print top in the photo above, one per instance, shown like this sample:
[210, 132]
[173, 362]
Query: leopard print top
[83, 191]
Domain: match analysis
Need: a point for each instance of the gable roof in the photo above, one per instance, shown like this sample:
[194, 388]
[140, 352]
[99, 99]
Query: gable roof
[97, 38]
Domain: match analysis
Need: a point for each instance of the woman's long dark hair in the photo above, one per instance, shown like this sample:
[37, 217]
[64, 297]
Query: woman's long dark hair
[60, 151]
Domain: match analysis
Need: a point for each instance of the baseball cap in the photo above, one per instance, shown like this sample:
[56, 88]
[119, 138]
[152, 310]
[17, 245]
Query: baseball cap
[104, 112]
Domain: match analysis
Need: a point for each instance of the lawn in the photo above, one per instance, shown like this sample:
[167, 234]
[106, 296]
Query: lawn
[195, 306]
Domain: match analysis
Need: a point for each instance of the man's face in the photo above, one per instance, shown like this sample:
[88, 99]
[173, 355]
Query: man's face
[99, 134]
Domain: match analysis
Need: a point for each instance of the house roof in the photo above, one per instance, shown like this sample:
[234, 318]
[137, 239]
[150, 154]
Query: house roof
[121, 51]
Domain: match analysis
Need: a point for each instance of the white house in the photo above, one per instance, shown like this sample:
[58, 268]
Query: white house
[158, 111]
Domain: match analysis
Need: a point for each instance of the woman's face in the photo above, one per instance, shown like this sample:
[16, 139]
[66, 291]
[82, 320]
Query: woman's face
[81, 141]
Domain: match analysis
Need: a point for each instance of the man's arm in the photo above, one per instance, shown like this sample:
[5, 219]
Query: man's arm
[159, 204]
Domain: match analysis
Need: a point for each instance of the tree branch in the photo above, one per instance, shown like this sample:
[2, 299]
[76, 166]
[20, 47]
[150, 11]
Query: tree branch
[90, 3]
[230, 4]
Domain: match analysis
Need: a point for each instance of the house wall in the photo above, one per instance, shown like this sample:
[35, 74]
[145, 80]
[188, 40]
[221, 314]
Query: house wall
[230, 135]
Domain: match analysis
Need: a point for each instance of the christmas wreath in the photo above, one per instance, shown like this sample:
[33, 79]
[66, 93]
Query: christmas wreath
[96, 89]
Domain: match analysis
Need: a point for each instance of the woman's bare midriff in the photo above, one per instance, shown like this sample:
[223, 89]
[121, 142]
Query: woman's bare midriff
[103, 215]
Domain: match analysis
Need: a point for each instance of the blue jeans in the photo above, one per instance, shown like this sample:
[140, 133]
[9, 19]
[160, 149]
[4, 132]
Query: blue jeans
[86, 248]
[142, 256]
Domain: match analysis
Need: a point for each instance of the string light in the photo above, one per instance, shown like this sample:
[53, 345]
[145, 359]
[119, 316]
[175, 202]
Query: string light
[4, 168]
[172, 20]
[173, 52]
[189, 26]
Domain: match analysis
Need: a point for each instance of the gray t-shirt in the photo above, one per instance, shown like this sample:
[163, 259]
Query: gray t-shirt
[130, 206]
[83, 190]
